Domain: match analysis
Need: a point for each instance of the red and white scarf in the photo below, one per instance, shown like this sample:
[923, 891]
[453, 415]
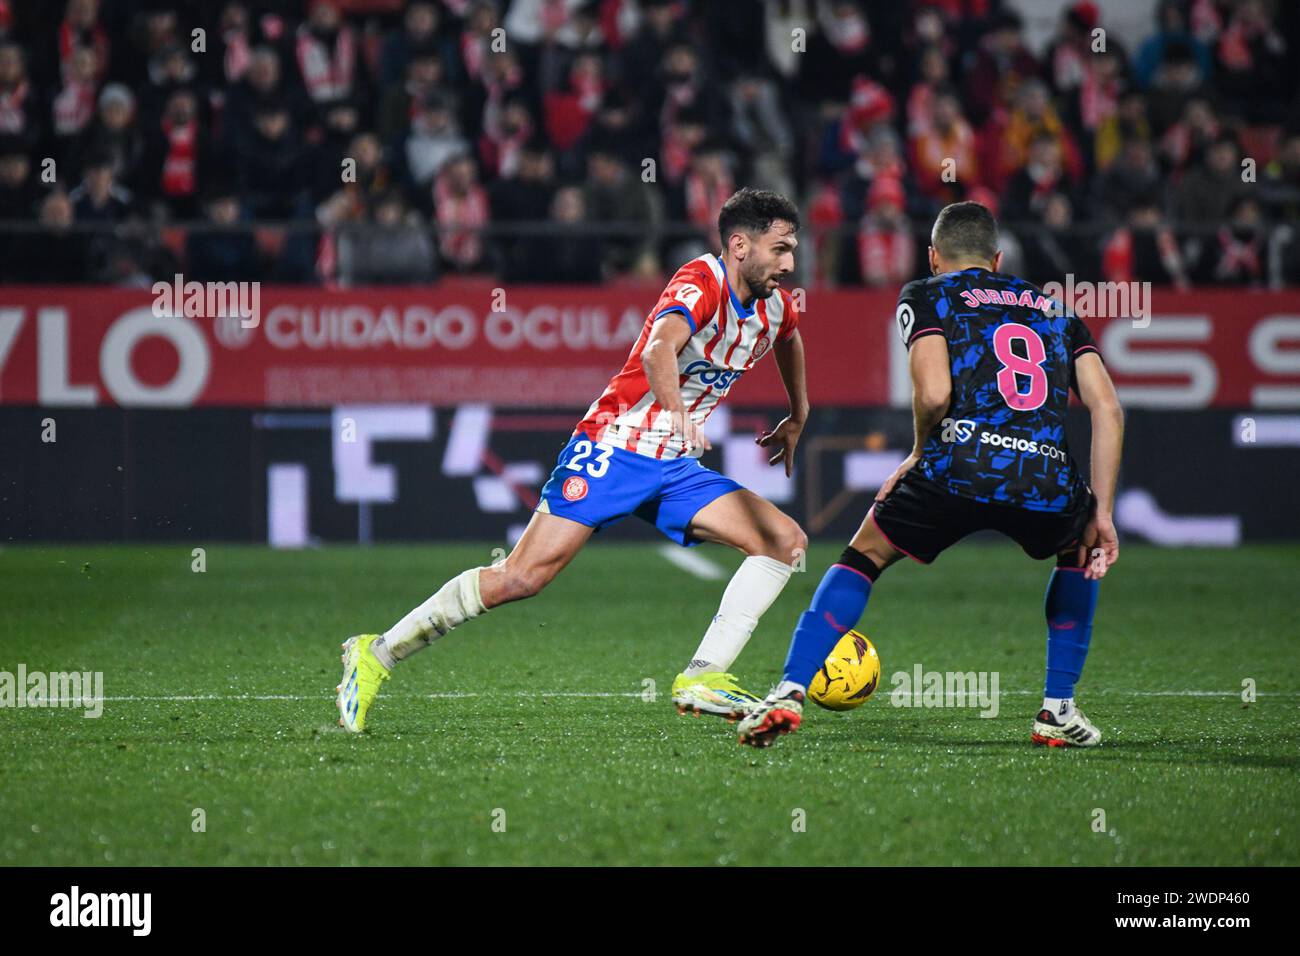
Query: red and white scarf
[327, 74]
[703, 201]
[887, 256]
[179, 171]
[13, 108]
[73, 108]
[459, 219]
[1238, 257]
[238, 55]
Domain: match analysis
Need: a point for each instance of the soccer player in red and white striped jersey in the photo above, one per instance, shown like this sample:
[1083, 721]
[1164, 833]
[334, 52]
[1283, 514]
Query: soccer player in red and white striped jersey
[636, 452]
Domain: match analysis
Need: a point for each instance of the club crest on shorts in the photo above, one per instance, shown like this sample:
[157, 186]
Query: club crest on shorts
[574, 488]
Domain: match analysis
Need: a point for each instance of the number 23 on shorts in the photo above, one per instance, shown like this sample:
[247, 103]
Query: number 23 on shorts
[582, 453]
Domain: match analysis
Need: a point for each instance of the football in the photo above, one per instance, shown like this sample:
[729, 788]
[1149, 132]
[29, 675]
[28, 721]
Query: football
[849, 676]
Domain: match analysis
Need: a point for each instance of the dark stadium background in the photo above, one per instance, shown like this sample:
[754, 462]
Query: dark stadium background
[527, 175]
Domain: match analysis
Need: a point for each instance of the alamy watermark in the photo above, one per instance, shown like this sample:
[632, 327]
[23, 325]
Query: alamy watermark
[53, 689]
[1104, 300]
[209, 300]
[922, 688]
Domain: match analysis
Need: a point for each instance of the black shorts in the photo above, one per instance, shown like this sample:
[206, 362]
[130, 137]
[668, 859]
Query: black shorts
[921, 519]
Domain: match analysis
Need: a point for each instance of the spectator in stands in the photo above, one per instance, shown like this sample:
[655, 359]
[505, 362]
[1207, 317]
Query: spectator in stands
[1096, 102]
[1237, 253]
[114, 132]
[262, 84]
[155, 28]
[354, 194]
[420, 35]
[840, 49]
[1280, 187]
[18, 189]
[1184, 143]
[432, 141]
[1135, 175]
[621, 123]
[705, 187]
[523, 197]
[1033, 118]
[573, 254]
[613, 194]
[224, 252]
[22, 108]
[683, 88]
[1071, 49]
[1206, 193]
[178, 157]
[932, 76]
[1053, 248]
[100, 197]
[501, 78]
[568, 110]
[272, 168]
[1171, 30]
[171, 69]
[340, 122]
[476, 43]
[1144, 249]
[641, 55]
[506, 129]
[1177, 80]
[1042, 176]
[461, 207]
[392, 249]
[57, 255]
[999, 68]
[81, 30]
[423, 77]
[760, 129]
[73, 107]
[945, 161]
[1128, 122]
[886, 246]
[232, 49]
[328, 54]
[1250, 61]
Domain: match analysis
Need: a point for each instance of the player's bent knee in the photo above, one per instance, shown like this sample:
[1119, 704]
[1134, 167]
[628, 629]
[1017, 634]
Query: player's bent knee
[784, 541]
[794, 543]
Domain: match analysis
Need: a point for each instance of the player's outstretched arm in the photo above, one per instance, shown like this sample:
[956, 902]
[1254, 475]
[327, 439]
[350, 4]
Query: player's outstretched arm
[1097, 392]
[931, 395]
[790, 362]
[659, 359]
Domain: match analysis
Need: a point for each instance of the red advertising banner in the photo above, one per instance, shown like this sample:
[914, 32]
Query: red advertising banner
[461, 341]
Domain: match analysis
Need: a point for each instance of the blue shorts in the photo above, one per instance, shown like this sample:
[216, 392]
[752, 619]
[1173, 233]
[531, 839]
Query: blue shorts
[597, 485]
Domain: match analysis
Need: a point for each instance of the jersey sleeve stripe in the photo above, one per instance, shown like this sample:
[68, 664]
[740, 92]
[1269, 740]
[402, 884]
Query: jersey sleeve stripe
[686, 313]
[1087, 348]
[929, 330]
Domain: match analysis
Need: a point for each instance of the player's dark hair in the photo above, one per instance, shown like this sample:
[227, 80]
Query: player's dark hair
[965, 230]
[753, 211]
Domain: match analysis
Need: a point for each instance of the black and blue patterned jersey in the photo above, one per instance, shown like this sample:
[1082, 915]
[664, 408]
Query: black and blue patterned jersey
[1012, 351]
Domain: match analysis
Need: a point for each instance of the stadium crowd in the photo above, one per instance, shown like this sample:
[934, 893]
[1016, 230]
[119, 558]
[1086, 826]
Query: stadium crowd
[372, 141]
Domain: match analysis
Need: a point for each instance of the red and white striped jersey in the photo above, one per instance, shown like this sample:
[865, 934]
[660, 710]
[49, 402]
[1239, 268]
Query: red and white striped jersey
[728, 339]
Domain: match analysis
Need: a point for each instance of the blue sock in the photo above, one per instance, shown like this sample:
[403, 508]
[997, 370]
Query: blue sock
[1071, 601]
[839, 602]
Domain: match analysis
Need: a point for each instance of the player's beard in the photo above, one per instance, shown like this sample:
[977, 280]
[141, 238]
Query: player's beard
[759, 288]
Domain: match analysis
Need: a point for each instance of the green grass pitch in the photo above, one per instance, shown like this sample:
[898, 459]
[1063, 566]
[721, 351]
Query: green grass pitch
[219, 690]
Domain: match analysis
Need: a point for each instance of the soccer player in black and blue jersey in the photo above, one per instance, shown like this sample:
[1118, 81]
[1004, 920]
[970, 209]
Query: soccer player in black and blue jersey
[993, 361]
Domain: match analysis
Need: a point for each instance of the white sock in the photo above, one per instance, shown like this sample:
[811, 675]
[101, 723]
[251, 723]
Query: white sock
[456, 602]
[1059, 707]
[752, 589]
[785, 689]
